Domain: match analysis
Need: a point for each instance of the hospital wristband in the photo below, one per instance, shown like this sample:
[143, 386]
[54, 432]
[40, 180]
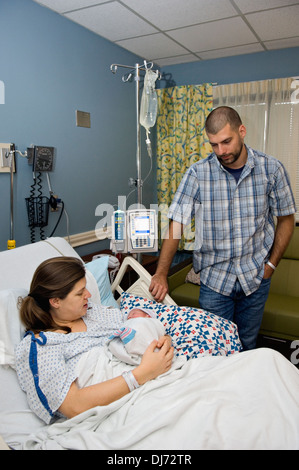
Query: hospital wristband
[271, 265]
[130, 380]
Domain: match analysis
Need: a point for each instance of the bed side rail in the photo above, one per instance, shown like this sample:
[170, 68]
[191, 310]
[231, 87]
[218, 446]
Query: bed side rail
[141, 286]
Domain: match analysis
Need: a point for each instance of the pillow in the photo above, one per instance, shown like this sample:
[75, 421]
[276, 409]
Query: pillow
[17, 421]
[92, 286]
[192, 277]
[11, 328]
[99, 269]
[194, 332]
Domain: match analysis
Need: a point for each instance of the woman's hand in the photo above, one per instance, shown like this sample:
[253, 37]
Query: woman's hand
[155, 363]
[162, 340]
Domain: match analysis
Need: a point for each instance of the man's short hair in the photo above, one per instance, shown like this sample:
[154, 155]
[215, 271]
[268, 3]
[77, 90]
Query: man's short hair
[221, 116]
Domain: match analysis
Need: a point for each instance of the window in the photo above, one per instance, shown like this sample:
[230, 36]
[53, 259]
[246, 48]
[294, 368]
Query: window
[270, 112]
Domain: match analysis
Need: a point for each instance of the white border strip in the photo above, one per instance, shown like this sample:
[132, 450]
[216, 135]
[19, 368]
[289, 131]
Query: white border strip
[92, 236]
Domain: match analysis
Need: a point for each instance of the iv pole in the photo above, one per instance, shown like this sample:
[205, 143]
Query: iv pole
[11, 243]
[125, 78]
[138, 148]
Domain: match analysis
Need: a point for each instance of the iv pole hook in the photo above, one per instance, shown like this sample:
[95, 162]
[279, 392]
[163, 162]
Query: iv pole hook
[136, 71]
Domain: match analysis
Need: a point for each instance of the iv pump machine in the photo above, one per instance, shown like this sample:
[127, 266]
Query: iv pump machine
[134, 231]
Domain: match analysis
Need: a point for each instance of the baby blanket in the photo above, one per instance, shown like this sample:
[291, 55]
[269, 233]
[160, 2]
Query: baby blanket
[130, 342]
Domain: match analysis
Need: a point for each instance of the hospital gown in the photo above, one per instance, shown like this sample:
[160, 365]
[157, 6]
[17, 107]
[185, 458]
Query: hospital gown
[58, 357]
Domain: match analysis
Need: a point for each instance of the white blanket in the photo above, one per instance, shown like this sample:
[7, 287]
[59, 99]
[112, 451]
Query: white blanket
[246, 401]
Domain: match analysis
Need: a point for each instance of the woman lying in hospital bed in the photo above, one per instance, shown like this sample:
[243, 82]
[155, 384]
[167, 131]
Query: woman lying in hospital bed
[67, 364]
[46, 359]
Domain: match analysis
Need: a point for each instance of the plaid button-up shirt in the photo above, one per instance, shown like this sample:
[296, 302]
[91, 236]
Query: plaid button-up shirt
[234, 220]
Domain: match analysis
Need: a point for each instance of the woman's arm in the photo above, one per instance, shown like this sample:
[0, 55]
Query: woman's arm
[152, 365]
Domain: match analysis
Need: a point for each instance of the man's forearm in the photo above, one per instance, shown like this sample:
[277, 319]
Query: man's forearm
[159, 285]
[283, 235]
[169, 248]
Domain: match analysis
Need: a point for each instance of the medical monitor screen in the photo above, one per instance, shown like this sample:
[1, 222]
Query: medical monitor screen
[142, 225]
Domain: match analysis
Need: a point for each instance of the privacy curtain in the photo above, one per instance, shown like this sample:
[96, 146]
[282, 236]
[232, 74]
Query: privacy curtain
[181, 141]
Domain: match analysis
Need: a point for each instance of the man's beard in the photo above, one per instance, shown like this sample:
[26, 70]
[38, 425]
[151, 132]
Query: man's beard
[231, 157]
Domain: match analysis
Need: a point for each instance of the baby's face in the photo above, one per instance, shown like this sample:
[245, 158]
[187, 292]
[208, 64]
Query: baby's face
[136, 313]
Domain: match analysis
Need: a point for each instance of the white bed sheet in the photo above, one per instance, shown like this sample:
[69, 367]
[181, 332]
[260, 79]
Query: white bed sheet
[245, 401]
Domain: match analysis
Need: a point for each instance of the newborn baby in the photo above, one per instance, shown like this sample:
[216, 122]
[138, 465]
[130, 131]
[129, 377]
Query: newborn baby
[129, 343]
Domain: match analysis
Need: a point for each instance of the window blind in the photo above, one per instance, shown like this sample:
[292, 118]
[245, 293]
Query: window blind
[269, 110]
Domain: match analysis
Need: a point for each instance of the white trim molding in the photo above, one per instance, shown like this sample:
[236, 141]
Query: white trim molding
[92, 236]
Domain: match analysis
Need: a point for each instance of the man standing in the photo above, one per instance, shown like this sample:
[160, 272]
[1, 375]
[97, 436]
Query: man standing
[234, 194]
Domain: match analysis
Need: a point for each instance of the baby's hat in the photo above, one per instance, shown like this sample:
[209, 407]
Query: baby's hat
[149, 311]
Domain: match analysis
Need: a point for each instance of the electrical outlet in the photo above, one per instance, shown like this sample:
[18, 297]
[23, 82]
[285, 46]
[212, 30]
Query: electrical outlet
[53, 203]
[5, 158]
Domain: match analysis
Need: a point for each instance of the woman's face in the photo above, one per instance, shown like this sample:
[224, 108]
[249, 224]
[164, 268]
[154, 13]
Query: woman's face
[73, 306]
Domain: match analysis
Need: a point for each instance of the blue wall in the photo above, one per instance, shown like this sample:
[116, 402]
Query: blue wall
[244, 68]
[52, 67]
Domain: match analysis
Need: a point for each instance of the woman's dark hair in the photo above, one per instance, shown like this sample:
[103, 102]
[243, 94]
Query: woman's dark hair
[54, 278]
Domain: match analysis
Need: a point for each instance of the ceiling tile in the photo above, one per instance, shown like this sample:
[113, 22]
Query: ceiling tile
[112, 21]
[282, 43]
[258, 5]
[170, 14]
[225, 33]
[275, 24]
[154, 46]
[62, 6]
[174, 31]
[231, 51]
[176, 60]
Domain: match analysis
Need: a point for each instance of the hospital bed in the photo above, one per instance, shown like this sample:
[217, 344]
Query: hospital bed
[230, 400]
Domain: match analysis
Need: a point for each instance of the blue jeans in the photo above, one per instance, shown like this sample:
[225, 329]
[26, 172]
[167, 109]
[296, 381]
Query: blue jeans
[245, 311]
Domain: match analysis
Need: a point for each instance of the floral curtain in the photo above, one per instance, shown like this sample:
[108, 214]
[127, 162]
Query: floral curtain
[181, 141]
